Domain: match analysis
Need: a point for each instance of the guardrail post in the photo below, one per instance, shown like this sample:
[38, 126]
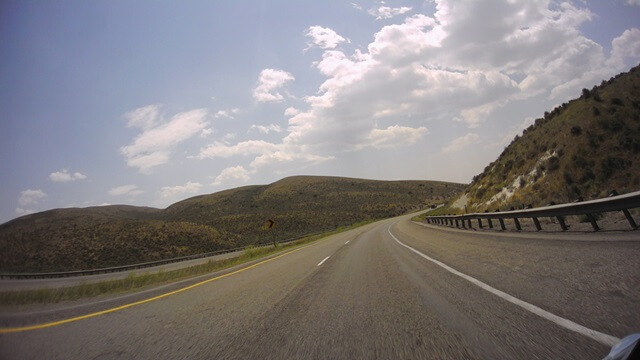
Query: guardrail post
[562, 223]
[590, 217]
[517, 222]
[594, 224]
[480, 223]
[470, 227]
[627, 214]
[535, 219]
[560, 219]
[489, 221]
[501, 220]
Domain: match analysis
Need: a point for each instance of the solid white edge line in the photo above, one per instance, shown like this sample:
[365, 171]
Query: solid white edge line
[323, 260]
[602, 338]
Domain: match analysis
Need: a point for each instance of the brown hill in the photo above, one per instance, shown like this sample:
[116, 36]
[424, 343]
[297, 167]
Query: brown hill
[304, 204]
[583, 148]
[73, 239]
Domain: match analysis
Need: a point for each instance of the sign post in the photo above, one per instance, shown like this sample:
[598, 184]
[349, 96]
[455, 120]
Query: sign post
[270, 224]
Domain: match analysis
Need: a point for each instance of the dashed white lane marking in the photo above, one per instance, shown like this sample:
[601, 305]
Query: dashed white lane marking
[565, 323]
[346, 242]
[323, 260]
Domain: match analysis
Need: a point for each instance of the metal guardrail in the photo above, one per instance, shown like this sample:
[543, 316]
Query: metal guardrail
[612, 203]
[60, 274]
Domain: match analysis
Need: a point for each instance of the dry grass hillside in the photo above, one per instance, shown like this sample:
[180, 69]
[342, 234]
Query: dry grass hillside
[304, 204]
[582, 149]
[73, 239]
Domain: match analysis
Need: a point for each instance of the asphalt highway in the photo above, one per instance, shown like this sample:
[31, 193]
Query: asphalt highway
[392, 289]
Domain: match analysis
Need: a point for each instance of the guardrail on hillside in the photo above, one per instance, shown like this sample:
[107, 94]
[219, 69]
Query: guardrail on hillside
[612, 203]
[137, 266]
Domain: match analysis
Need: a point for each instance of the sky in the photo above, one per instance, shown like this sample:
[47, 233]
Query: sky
[150, 102]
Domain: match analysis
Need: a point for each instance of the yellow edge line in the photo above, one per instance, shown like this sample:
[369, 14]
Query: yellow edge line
[107, 311]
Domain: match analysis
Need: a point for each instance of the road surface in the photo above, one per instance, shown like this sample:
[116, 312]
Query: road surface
[392, 289]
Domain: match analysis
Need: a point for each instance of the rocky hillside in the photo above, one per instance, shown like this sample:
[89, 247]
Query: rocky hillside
[583, 148]
[72, 239]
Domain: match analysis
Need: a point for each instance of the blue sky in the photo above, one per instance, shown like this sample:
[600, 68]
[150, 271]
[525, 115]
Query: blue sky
[150, 102]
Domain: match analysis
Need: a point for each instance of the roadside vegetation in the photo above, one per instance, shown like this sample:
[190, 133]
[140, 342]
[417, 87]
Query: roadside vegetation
[140, 281]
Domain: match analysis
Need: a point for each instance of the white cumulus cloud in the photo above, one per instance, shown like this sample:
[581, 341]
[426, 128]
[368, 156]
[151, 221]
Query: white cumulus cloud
[235, 173]
[31, 197]
[625, 46]
[322, 37]
[244, 148]
[385, 12]
[291, 111]
[464, 63]
[21, 211]
[391, 136]
[269, 83]
[188, 188]
[154, 145]
[205, 133]
[65, 176]
[145, 117]
[229, 113]
[264, 153]
[125, 190]
[266, 129]
[461, 142]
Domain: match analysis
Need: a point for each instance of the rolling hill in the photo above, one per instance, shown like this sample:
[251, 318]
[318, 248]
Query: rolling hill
[581, 149]
[88, 238]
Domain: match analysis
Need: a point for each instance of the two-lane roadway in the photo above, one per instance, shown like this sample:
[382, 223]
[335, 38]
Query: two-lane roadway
[392, 289]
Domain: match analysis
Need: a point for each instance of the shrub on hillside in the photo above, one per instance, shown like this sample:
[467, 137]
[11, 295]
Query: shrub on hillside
[567, 178]
[576, 130]
[610, 165]
[553, 163]
[613, 125]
